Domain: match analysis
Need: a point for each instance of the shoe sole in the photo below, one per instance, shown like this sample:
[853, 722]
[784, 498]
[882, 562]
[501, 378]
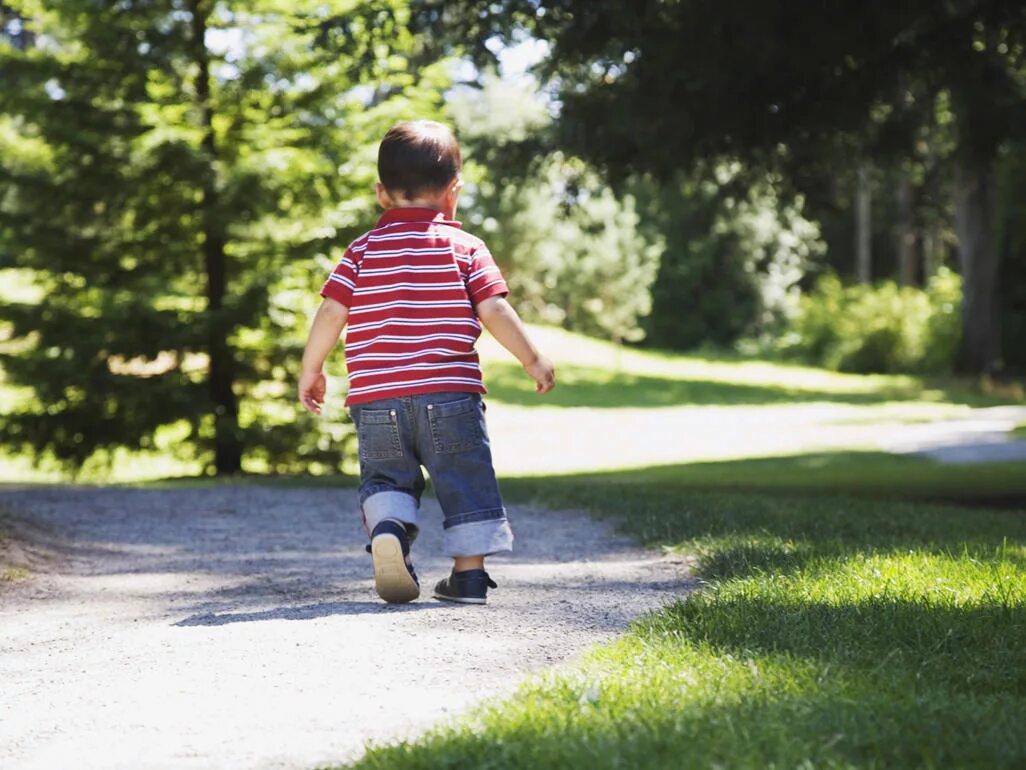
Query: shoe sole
[460, 599]
[392, 579]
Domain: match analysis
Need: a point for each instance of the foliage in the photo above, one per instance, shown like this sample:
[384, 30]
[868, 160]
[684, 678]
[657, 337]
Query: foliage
[882, 328]
[660, 88]
[642, 84]
[573, 252]
[733, 256]
[733, 261]
[175, 179]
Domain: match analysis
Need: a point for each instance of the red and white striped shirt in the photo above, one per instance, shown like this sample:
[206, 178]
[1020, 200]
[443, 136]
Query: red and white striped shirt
[411, 285]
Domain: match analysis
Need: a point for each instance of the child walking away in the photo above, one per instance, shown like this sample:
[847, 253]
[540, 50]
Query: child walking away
[414, 292]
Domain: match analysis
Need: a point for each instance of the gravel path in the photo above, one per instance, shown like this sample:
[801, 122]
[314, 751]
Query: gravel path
[237, 627]
[983, 437]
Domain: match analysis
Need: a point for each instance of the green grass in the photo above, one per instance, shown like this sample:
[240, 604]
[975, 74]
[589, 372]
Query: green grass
[13, 574]
[598, 374]
[853, 474]
[840, 627]
[602, 388]
[8, 572]
[1019, 431]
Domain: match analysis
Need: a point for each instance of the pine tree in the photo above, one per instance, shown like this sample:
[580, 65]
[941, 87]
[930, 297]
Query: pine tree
[175, 175]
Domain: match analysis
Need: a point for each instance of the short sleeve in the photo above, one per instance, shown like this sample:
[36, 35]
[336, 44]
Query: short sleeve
[342, 281]
[484, 279]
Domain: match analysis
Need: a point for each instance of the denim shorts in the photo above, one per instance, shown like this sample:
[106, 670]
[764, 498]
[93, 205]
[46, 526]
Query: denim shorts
[445, 433]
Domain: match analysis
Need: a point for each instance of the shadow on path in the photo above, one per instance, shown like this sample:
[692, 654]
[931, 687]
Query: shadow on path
[305, 612]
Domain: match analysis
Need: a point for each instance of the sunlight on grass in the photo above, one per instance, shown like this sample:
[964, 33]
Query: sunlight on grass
[851, 473]
[589, 386]
[567, 348]
[833, 633]
[124, 466]
[121, 465]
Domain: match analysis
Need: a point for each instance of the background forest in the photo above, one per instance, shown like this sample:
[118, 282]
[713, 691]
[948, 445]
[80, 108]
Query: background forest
[178, 176]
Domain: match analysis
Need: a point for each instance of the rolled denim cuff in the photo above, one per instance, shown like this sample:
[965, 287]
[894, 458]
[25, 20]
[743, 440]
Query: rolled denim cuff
[389, 504]
[478, 538]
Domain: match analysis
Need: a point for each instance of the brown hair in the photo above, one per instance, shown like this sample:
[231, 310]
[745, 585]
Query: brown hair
[418, 156]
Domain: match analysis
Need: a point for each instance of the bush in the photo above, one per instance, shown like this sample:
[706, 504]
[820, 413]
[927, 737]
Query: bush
[878, 329]
[733, 262]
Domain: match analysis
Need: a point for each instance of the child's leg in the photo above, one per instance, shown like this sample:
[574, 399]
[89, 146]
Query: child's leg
[461, 563]
[454, 447]
[391, 482]
[453, 444]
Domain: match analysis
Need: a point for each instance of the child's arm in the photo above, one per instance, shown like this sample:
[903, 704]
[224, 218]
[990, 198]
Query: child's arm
[502, 321]
[327, 325]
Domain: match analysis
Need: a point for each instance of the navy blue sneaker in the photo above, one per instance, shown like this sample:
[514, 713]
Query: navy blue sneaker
[394, 577]
[467, 587]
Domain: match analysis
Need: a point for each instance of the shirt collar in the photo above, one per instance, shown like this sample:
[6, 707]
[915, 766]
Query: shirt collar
[414, 214]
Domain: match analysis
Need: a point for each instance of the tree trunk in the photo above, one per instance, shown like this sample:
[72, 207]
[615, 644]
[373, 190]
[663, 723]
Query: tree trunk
[863, 227]
[907, 262]
[227, 442]
[932, 256]
[978, 258]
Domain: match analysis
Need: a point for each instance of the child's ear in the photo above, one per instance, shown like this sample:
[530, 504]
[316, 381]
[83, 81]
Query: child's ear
[384, 199]
[453, 193]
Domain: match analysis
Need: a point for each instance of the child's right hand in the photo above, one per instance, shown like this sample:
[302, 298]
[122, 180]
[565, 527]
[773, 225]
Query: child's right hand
[312, 386]
[543, 373]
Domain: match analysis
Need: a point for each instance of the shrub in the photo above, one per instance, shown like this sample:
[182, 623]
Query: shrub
[733, 261]
[883, 328]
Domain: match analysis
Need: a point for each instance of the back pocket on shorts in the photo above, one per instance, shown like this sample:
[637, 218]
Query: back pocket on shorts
[456, 426]
[377, 434]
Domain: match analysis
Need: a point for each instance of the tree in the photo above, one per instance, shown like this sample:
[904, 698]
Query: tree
[573, 253]
[735, 254]
[172, 173]
[656, 87]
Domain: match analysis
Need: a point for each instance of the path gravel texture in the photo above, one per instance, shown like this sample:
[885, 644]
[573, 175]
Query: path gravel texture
[237, 626]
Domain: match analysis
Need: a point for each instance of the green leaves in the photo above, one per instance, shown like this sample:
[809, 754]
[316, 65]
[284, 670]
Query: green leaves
[162, 211]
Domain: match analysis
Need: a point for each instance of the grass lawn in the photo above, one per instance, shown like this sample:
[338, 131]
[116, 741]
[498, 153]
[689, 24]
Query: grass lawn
[861, 609]
[593, 373]
[874, 475]
[836, 630]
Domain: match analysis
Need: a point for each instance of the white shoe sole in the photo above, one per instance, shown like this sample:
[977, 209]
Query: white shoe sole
[392, 579]
[460, 599]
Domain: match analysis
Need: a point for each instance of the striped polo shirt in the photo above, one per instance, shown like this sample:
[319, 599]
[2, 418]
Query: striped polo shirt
[411, 285]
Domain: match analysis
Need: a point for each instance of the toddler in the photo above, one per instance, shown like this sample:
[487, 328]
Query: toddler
[414, 292]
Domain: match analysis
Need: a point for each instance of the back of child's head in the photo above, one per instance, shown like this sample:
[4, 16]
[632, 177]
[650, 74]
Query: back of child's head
[418, 157]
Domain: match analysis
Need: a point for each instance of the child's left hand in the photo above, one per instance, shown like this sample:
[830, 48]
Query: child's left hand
[312, 386]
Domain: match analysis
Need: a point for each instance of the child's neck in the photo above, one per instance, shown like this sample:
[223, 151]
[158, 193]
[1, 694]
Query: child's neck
[426, 203]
